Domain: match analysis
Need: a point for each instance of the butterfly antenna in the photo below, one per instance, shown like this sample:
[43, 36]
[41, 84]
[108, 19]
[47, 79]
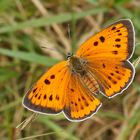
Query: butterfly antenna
[69, 32]
[69, 35]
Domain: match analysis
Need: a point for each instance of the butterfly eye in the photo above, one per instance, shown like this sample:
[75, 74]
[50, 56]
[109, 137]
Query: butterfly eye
[69, 55]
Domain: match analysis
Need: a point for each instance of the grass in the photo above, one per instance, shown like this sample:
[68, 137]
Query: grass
[48, 21]
[25, 26]
[30, 57]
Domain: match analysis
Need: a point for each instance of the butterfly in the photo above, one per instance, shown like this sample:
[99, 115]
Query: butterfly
[100, 65]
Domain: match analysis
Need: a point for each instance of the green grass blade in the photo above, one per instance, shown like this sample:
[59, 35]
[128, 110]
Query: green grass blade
[28, 56]
[50, 20]
[62, 133]
[111, 114]
[129, 125]
[10, 105]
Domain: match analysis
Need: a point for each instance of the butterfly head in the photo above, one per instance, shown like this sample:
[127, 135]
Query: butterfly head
[69, 55]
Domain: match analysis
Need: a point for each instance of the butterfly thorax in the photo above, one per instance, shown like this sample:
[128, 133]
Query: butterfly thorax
[77, 65]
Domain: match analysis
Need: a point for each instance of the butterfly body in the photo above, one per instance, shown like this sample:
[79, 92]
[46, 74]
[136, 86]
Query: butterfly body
[101, 64]
[77, 65]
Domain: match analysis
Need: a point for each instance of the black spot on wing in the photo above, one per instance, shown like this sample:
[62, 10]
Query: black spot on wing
[52, 76]
[103, 65]
[47, 82]
[128, 24]
[34, 90]
[118, 31]
[118, 40]
[111, 73]
[57, 97]
[102, 39]
[72, 90]
[39, 96]
[119, 34]
[115, 52]
[113, 28]
[117, 45]
[51, 97]
[95, 43]
[45, 96]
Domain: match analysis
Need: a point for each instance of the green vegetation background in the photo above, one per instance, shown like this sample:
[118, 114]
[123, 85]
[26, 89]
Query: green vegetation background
[25, 25]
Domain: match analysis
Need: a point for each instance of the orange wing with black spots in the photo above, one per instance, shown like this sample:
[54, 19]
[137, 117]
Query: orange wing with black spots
[107, 54]
[48, 95]
[81, 103]
[113, 77]
[115, 42]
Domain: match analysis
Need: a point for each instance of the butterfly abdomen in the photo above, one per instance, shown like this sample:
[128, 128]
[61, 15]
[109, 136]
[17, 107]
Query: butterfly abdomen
[90, 82]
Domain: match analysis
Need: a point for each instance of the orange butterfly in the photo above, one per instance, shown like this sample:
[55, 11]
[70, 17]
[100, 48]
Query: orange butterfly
[101, 64]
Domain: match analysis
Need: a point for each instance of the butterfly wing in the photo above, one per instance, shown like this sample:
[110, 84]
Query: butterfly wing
[48, 94]
[107, 55]
[81, 103]
[90, 82]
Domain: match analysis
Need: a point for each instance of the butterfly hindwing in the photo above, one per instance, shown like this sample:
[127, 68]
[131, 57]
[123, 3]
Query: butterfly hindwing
[107, 55]
[48, 94]
[113, 77]
[88, 80]
[81, 103]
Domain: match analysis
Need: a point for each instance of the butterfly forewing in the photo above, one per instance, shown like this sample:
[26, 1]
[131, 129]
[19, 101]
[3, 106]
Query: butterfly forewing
[47, 95]
[114, 42]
